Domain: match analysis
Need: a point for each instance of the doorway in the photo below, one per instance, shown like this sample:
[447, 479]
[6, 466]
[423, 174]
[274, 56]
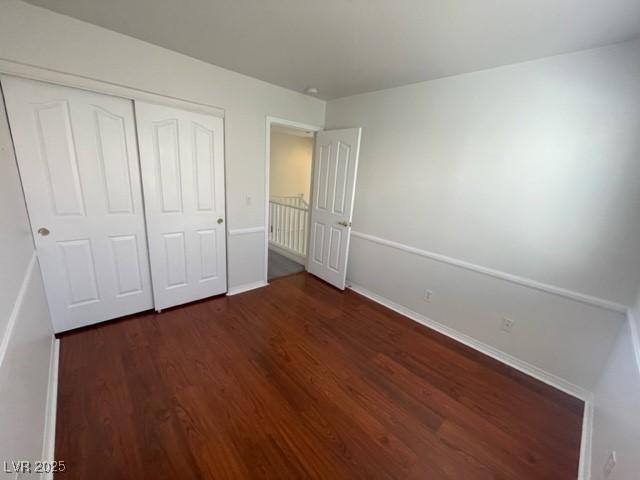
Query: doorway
[309, 222]
[290, 162]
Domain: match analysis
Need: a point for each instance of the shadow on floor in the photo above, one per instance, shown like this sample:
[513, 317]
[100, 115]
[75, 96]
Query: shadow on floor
[281, 266]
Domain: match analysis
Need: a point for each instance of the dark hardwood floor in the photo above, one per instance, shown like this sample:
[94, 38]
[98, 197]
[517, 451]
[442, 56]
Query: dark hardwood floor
[298, 380]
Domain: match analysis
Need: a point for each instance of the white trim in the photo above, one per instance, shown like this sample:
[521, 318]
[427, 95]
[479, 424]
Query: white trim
[246, 231]
[8, 332]
[48, 439]
[292, 124]
[584, 467]
[521, 365]
[24, 70]
[586, 441]
[525, 282]
[246, 287]
[635, 338]
[267, 161]
[48, 446]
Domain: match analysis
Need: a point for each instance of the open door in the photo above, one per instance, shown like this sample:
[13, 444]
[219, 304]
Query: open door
[334, 182]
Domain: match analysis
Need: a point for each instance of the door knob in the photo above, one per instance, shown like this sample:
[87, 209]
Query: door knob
[220, 220]
[344, 223]
[43, 231]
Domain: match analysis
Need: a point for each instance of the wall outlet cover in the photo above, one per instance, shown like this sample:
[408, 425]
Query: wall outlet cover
[507, 325]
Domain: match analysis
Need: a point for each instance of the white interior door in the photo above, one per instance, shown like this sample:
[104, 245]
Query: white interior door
[182, 158]
[334, 182]
[78, 163]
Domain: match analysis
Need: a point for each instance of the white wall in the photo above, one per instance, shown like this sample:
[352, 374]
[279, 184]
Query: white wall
[616, 423]
[529, 169]
[36, 36]
[565, 338]
[26, 333]
[290, 168]
[15, 232]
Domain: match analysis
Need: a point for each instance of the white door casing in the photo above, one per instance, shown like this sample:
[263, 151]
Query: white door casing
[78, 163]
[182, 163]
[333, 189]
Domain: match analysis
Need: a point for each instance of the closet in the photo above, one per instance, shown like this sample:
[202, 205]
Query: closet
[182, 160]
[126, 200]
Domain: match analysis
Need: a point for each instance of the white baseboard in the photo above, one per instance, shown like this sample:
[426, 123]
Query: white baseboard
[246, 287]
[48, 447]
[521, 365]
[584, 468]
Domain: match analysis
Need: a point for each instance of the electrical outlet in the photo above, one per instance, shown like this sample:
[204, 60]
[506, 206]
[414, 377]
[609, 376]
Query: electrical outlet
[427, 295]
[507, 325]
[609, 464]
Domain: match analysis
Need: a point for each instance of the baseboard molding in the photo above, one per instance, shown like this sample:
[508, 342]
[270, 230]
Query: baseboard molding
[288, 254]
[525, 282]
[48, 447]
[246, 287]
[521, 365]
[584, 468]
[6, 335]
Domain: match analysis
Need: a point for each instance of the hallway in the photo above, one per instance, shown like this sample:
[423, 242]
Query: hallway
[281, 266]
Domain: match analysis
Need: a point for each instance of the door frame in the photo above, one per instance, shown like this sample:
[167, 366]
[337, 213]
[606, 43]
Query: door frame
[270, 121]
[8, 67]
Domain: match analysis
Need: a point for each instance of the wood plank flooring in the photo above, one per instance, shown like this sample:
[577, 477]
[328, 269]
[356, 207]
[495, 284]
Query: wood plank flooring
[300, 381]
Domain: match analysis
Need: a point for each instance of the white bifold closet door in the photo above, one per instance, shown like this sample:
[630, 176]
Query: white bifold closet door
[78, 163]
[182, 160]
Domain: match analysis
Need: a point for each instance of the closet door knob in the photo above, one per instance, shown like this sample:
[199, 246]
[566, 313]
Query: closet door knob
[43, 231]
[220, 220]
